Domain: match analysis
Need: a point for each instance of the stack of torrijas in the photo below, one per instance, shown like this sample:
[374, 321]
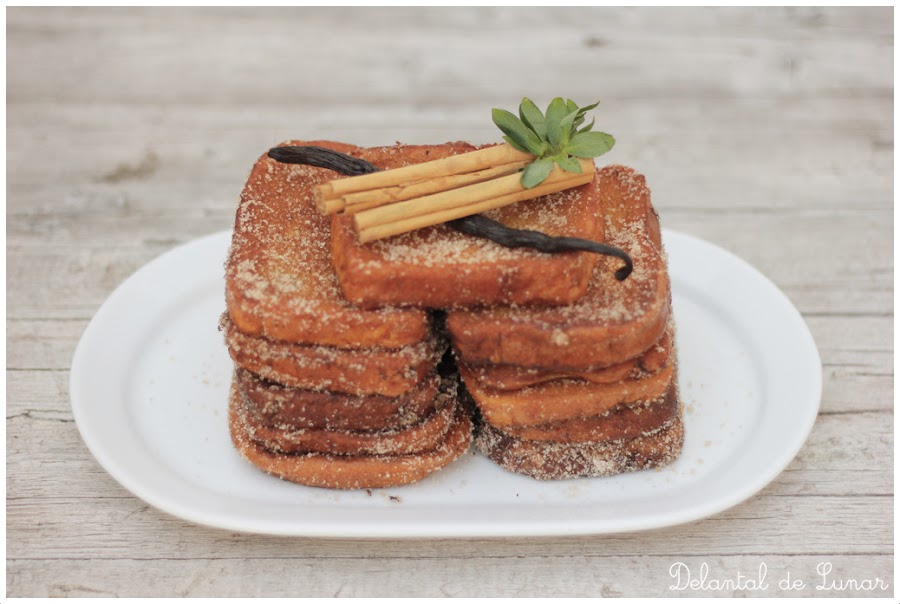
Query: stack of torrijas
[326, 393]
[337, 342]
[589, 388]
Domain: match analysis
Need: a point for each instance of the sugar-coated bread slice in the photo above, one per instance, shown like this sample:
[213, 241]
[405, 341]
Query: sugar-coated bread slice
[548, 460]
[279, 406]
[350, 471]
[564, 399]
[280, 280]
[437, 267]
[622, 421]
[515, 377]
[389, 372]
[615, 321]
[421, 437]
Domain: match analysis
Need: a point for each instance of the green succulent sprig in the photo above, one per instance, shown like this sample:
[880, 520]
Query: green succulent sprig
[555, 137]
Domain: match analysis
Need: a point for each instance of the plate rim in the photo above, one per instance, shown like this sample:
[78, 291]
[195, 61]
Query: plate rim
[400, 530]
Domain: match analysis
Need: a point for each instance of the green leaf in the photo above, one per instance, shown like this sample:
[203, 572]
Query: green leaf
[555, 136]
[567, 128]
[587, 128]
[518, 131]
[569, 164]
[515, 145]
[556, 111]
[581, 113]
[536, 172]
[590, 144]
[533, 118]
[587, 108]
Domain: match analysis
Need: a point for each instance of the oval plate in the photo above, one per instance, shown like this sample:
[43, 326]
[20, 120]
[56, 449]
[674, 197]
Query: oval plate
[149, 389]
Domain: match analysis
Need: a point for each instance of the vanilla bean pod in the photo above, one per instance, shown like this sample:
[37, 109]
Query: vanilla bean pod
[320, 157]
[482, 226]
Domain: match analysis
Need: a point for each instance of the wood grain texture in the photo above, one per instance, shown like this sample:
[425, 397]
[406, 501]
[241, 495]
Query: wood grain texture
[517, 576]
[766, 131]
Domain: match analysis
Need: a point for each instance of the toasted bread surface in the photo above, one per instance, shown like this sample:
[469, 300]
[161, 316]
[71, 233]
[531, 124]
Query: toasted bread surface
[371, 371]
[421, 437]
[280, 280]
[349, 471]
[514, 377]
[547, 460]
[622, 421]
[615, 321]
[279, 406]
[564, 399]
[436, 267]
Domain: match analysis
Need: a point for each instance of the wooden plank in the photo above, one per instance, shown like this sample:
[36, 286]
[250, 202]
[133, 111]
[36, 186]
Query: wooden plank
[471, 576]
[853, 444]
[208, 158]
[712, 62]
[42, 345]
[63, 528]
[38, 394]
[81, 279]
[858, 361]
[833, 22]
[224, 137]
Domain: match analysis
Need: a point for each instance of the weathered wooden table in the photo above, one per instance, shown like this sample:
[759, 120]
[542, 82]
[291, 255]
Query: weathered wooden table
[766, 131]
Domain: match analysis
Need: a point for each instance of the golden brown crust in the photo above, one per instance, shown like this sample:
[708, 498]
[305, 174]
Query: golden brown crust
[279, 406]
[622, 421]
[545, 460]
[513, 377]
[563, 399]
[425, 436]
[370, 371]
[437, 267]
[280, 282]
[614, 322]
[349, 471]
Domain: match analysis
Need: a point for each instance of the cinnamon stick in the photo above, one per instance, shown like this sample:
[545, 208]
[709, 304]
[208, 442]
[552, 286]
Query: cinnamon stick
[383, 225]
[366, 200]
[464, 196]
[456, 164]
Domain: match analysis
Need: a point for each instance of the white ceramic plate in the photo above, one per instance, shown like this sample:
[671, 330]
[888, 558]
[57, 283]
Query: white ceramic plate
[150, 380]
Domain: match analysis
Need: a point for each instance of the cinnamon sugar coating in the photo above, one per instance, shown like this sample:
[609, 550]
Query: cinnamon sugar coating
[280, 281]
[426, 435]
[622, 421]
[365, 371]
[349, 471]
[564, 399]
[516, 377]
[613, 322]
[279, 406]
[437, 267]
[547, 460]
